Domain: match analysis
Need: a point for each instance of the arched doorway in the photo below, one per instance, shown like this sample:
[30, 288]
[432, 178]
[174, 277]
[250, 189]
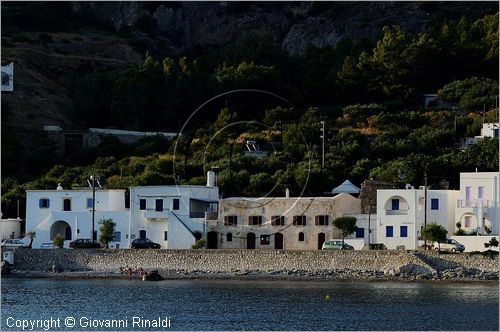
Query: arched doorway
[250, 241]
[60, 227]
[278, 241]
[321, 240]
[212, 240]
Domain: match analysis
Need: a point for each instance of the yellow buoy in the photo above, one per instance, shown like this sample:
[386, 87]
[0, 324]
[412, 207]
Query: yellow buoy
[328, 298]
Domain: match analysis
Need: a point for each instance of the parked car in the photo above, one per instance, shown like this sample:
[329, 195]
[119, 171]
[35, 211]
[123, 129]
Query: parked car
[13, 244]
[84, 244]
[144, 244]
[336, 245]
[450, 245]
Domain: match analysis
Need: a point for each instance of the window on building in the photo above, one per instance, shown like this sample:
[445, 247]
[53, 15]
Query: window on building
[229, 237]
[467, 193]
[468, 221]
[117, 236]
[176, 203]
[90, 202]
[159, 204]
[388, 231]
[66, 204]
[434, 204]
[299, 220]
[142, 204]
[265, 239]
[403, 231]
[165, 236]
[395, 204]
[301, 236]
[360, 232]
[230, 220]
[277, 220]
[321, 220]
[480, 192]
[44, 203]
[255, 220]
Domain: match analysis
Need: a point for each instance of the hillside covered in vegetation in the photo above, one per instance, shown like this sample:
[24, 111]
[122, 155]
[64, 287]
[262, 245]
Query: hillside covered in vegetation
[366, 85]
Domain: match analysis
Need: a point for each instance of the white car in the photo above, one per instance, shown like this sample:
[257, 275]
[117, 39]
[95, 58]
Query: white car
[13, 244]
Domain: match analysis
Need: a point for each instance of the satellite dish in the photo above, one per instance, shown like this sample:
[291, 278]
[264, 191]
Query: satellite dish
[408, 186]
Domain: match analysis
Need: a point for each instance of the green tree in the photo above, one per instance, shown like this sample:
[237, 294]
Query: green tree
[434, 233]
[32, 236]
[492, 243]
[346, 225]
[107, 231]
[58, 240]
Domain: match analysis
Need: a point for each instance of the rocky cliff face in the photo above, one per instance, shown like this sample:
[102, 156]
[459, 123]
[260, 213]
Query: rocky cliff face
[49, 56]
[296, 25]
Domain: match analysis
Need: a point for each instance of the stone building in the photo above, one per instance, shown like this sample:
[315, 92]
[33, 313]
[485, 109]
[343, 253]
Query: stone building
[301, 223]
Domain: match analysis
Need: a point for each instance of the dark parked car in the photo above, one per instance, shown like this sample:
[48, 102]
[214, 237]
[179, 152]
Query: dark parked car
[84, 244]
[144, 244]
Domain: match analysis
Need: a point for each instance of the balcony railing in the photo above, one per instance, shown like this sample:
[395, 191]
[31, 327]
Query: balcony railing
[475, 203]
[197, 214]
[396, 212]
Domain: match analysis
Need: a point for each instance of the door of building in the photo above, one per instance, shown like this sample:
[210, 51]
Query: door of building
[278, 241]
[250, 241]
[212, 240]
[142, 234]
[321, 240]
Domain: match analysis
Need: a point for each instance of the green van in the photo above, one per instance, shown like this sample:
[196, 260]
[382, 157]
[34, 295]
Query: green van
[336, 245]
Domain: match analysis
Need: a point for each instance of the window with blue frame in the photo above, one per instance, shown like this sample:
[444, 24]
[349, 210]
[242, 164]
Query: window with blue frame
[117, 236]
[142, 204]
[403, 231]
[360, 232]
[434, 204]
[395, 204]
[44, 203]
[89, 203]
[388, 231]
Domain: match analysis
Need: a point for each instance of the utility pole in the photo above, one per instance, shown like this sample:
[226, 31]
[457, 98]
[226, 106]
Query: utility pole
[322, 145]
[425, 207]
[92, 178]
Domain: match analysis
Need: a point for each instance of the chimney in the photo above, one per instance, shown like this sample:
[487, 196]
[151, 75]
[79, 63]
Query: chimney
[211, 179]
[287, 193]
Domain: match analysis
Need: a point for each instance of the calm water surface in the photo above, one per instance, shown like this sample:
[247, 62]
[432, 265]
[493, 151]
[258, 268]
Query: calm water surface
[257, 305]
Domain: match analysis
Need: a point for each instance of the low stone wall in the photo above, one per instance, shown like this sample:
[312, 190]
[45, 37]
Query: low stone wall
[231, 261]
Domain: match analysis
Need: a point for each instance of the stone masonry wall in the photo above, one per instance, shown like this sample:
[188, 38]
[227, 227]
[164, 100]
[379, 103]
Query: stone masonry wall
[227, 261]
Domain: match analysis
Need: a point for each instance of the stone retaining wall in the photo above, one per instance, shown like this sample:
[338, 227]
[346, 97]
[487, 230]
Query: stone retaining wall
[230, 261]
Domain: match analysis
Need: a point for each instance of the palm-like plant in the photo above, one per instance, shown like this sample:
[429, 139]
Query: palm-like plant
[31, 235]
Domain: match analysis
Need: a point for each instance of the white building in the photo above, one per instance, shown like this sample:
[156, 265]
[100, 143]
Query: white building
[489, 130]
[172, 216]
[69, 213]
[301, 223]
[8, 77]
[477, 206]
[11, 228]
[400, 214]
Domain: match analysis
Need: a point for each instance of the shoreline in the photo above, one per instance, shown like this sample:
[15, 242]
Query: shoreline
[252, 275]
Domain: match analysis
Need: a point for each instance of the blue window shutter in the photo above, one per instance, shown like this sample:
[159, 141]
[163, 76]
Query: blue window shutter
[388, 231]
[395, 204]
[404, 231]
[434, 204]
[360, 232]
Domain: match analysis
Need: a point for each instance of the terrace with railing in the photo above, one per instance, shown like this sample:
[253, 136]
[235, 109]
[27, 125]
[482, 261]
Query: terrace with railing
[475, 203]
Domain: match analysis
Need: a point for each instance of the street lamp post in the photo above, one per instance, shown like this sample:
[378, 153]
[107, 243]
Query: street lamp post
[322, 144]
[93, 180]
